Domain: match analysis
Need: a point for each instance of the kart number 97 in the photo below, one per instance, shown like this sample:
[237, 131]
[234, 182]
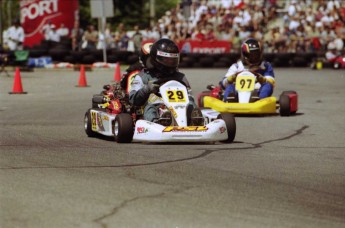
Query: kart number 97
[245, 83]
[176, 96]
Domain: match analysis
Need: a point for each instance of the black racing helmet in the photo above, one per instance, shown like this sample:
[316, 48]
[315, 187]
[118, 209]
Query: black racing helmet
[144, 53]
[165, 56]
[251, 52]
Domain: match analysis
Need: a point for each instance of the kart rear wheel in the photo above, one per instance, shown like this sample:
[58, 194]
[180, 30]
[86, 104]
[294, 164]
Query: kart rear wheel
[230, 126]
[284, 103]
[88, 124]
[123, 128]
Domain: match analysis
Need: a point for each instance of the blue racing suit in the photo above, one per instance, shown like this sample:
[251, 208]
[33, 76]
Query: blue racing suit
[265, 69]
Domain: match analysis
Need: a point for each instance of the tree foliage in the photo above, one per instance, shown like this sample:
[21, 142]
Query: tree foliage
[128, 12]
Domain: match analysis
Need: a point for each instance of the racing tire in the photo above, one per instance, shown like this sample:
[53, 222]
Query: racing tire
[230, 126]
[123, 128]
[284, 103]
[201, 101]
[88, 124]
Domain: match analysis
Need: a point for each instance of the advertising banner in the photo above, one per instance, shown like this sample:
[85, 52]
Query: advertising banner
[209, 47]
[37, 15]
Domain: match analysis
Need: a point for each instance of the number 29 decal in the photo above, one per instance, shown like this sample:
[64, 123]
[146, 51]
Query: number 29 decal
[176, 96]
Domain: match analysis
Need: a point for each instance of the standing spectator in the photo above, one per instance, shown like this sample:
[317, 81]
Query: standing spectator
[15, 36]
[198, 35]
[46, 29]
[210, 35]
[76, 36]
[5, 40]
[53, 35]
[137, 38]
[123, 42]
[156, 33]
[117, 35]
[63, 31]
[90, 38]
[235, 42]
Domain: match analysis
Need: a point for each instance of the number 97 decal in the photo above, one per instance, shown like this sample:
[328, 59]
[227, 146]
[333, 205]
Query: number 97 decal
[245, 83]
[176, 96]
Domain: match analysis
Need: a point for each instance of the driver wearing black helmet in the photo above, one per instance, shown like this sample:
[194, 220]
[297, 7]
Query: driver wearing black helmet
[162, 64]
[251, 59]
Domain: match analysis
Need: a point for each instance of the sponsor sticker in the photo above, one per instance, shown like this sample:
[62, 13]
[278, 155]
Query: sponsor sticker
[142, 130]
[222, 130]
[166, 54]
[184, 129]
[93, 121]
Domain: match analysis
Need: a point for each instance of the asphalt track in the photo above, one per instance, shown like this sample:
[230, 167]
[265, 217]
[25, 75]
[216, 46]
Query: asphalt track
[279, 172]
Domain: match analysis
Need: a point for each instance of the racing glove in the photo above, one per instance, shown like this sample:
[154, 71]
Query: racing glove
[261, 79]
[231, 79]
[151, 87]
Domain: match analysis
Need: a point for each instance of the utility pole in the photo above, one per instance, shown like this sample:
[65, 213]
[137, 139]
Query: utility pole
[152, 12]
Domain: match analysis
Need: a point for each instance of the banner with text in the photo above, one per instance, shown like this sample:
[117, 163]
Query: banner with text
[37, 15]
[209, 47]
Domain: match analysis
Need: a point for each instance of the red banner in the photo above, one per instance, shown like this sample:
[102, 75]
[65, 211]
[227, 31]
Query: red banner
[36, 14]
[209, 47]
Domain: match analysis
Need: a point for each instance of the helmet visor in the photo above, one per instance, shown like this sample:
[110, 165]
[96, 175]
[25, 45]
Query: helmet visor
[254, 57]
[168, 59]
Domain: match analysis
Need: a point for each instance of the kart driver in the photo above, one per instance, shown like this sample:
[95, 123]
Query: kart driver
[135, 68]
[124, 86]
[162, 64]
[251, 59]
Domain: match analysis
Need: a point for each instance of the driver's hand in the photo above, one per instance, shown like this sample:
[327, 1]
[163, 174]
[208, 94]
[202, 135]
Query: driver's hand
[153, 87]
[231, 78]
[261, 79]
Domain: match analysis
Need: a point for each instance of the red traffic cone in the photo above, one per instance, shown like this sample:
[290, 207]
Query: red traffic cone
[117, 75]
[17, 86]
[82, 78]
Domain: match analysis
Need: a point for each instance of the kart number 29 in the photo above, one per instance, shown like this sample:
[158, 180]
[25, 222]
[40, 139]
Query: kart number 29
[245, 83]
[176, 96]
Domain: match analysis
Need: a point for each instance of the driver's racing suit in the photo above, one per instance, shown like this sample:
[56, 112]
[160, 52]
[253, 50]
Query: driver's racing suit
[140, 95]
[265, 69]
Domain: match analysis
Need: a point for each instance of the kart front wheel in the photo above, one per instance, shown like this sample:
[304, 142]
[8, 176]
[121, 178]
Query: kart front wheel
[230, 126]
[88, 124]
[123, 128]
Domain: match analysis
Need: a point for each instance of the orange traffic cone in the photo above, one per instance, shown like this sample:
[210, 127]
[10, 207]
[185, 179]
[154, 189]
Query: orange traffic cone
[117, 75]
[82, 78]
[17, 86]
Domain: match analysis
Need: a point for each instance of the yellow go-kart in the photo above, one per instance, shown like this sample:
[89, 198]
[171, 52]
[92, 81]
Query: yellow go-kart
[246, 100]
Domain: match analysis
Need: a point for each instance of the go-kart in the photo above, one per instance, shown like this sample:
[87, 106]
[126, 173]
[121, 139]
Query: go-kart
[335, 63]
[114, 117]
[246, 100]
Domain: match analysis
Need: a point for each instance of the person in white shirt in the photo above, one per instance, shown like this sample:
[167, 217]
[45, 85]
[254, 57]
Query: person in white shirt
[62, 30]
[15, 36]
[53, 35]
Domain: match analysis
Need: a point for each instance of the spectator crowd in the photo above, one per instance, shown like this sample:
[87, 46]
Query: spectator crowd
[282, 26]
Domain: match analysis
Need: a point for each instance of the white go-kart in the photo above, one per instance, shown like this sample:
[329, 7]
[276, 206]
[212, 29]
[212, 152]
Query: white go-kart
[127, 127]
